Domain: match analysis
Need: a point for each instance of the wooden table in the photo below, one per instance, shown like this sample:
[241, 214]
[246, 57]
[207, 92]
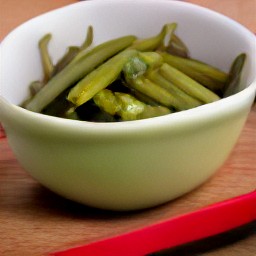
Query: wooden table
[34, 221]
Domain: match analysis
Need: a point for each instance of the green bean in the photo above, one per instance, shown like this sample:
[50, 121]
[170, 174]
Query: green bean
[152, 90]
[144, 98]
[88, 40]
[181, 100]
[133, 109]
[70, 113]
[130, 107]
[187, 84]
[234, 75]
[99, 78]
[107, 101]
[45, 56]
[142, 63]
[153, 60]
[134, 67]
[66, 59]
[177, 47]
[150, 44]
[128, 79]
[77, 70]
[83, 49]
[209, 76]
[126, 106]
[122, 104]
[153, 111]
[205, 80]
[74, 51]
[35, 87]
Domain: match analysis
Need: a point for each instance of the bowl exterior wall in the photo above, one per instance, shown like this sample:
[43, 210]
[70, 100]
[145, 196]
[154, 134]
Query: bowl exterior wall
[132, 171]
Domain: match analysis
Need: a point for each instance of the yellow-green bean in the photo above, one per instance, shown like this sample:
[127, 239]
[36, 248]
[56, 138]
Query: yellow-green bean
[99, 78]
[150, 44]
[194, 68]
[45, 56]
[77, 70]
[187, 84]
[152, 90]
[180, 100]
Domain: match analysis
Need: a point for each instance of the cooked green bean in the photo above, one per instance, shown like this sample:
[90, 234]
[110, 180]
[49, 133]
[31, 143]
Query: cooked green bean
[35, 87]
[181, 100]
[153, 111]
[99, 78]
[45, 56]
[144, 98]
[141, 63]
[152, 90]
[88, 40]
[107, 101]
[187, 84]
[77, 70]
[133, 109]
[150, 44]
[209, 76]
[74, 52]
[66, 59]
[153, 60]
[126, 106]
[234, 75]
[177, 47]
[134, 67]
[83, 49]
[128, 79]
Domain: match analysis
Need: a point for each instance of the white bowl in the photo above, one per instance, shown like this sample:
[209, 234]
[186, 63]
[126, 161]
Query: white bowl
[128, 165]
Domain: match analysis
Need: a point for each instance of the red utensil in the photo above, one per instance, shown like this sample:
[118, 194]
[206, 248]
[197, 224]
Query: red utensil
[2, 134]
[209, 221]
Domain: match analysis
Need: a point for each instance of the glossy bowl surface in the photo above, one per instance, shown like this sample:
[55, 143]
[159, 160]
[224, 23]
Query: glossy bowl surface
[130, 165]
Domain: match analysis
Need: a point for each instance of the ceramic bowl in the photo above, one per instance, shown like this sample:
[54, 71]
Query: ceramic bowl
[127, 165]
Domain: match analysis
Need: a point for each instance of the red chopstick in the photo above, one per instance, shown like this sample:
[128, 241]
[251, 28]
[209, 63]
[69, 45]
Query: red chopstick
[209, 221]
[2, 134]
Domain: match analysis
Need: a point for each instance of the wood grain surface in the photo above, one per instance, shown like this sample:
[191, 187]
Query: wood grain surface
[34, 221]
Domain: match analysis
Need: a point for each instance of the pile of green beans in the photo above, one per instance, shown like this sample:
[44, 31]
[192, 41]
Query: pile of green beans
[127, 79]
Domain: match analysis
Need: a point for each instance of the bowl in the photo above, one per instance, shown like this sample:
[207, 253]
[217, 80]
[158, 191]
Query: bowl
[127, 165]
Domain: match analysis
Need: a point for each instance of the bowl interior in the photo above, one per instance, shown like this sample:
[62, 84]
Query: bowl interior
[209, 36]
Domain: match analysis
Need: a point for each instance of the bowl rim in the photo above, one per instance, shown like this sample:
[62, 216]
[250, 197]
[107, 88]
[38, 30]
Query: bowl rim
[205, 113]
